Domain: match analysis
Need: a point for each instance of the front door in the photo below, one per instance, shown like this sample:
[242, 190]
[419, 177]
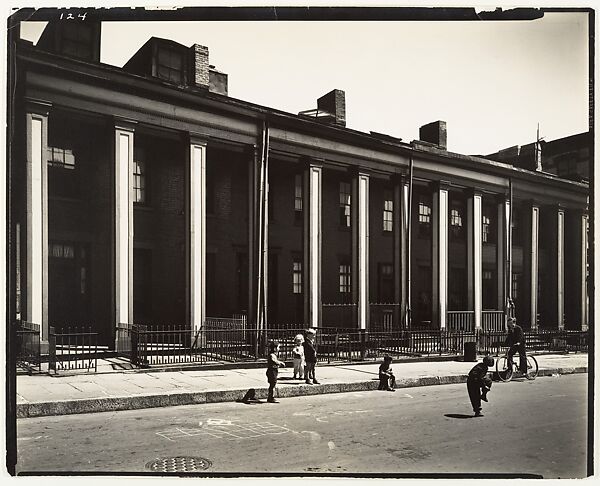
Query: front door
[68, 285]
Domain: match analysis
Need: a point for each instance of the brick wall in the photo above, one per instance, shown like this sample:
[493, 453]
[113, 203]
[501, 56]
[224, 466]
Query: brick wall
[227, 232]
[285, 243]
[200, 65]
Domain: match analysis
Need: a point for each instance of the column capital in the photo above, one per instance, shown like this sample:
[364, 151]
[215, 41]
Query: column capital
[400, 178]
[440, 185]
[124, 123]
[38, 107]
[308, 162]
[359, 171]
[471, 192]
[197, 139]
[501, 198]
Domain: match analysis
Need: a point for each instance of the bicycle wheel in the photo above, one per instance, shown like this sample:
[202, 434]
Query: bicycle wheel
[504, 371]
[532, 368]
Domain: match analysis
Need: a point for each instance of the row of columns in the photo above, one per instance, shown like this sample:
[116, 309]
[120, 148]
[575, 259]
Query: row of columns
[37, 236]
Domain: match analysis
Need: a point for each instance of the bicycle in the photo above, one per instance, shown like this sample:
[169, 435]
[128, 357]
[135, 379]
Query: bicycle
[506, 374]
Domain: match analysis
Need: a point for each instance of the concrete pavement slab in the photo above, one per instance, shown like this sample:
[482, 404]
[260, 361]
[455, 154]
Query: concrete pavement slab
[122, 390]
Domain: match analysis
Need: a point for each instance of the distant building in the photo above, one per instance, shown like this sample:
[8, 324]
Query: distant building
[146, 194]
[567, 158]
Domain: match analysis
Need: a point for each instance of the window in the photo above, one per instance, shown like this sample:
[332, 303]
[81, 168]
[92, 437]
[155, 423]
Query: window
[61, 250]
[386, 283]
[485, 229]
[516, 227]
[456, 222]
[170, 65]
[77, 40]
[345, 204]
[455, 218]
[424, 213]
[297, 277]
[388, 211]
[298, 198]
[61, 158]
[487, 275]
[515, 285]
[424, 219]
[345, 280]
[139, 182]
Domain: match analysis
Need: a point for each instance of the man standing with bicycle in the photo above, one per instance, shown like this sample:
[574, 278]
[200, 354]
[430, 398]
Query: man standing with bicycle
[516, 342]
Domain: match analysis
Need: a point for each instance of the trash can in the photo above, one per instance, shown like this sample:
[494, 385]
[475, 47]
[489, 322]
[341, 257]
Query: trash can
[470, 351]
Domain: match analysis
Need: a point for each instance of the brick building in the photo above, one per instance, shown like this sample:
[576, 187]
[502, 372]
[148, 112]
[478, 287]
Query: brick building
[146, 194]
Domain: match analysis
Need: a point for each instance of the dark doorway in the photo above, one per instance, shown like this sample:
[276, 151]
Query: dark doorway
[68, 285]
[273, 289]
[142, 286]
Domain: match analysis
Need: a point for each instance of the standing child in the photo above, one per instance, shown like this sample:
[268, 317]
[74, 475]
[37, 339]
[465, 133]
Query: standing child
[310, 357]
[298, 355]
[387, 380]
[479, 383]
[273, 365]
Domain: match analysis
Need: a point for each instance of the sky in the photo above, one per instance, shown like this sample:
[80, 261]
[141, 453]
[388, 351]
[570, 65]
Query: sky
[492, 82]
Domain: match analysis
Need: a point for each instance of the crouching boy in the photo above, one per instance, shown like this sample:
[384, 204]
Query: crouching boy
[387, 380]
[479, 383]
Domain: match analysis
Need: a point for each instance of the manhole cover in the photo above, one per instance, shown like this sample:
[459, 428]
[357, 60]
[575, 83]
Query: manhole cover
[179, 464]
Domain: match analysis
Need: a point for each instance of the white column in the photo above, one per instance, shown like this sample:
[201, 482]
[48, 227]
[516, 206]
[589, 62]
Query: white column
[508, 246]
[37, 216]
[360, 247]
[197, 236]
[584, 261]
[363, 250]
[123, 223]
[401, 251]
[440, 246]
[560, 265]
[313, 245]
[501, 248]
[474, 256]
[535, 220]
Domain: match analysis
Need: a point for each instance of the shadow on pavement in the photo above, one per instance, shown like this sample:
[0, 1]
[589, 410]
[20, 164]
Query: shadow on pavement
[458, 415]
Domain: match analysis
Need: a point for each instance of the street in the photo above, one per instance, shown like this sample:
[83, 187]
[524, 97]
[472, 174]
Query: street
[530, 427]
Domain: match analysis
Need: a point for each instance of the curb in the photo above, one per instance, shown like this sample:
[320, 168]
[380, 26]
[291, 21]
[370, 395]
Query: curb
[112, 404]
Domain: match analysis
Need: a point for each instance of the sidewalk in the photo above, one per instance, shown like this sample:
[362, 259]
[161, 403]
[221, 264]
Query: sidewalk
[113, 388]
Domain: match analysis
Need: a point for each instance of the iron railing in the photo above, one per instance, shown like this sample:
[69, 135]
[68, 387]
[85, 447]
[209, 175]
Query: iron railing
[492, 320]
[28, 355]
[74, 348]
[460, 321]
[541, 340]
[384, 317]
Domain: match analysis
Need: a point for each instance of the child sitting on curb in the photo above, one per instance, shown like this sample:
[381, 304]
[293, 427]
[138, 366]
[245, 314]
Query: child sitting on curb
[387, 380]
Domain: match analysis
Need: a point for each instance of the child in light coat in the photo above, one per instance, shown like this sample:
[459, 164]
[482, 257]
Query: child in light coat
[298, 355]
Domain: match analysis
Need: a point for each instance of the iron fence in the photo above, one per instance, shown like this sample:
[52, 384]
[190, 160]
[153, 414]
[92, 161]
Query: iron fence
[28, 355]
[492, 320]
[230, 342]
[460, 320]
[74, 348]
[541, 340]
[384, 316]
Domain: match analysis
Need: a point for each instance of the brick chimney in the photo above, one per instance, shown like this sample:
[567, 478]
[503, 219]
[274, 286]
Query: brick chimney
[434, 132]
[200, 67]
[334, 102]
